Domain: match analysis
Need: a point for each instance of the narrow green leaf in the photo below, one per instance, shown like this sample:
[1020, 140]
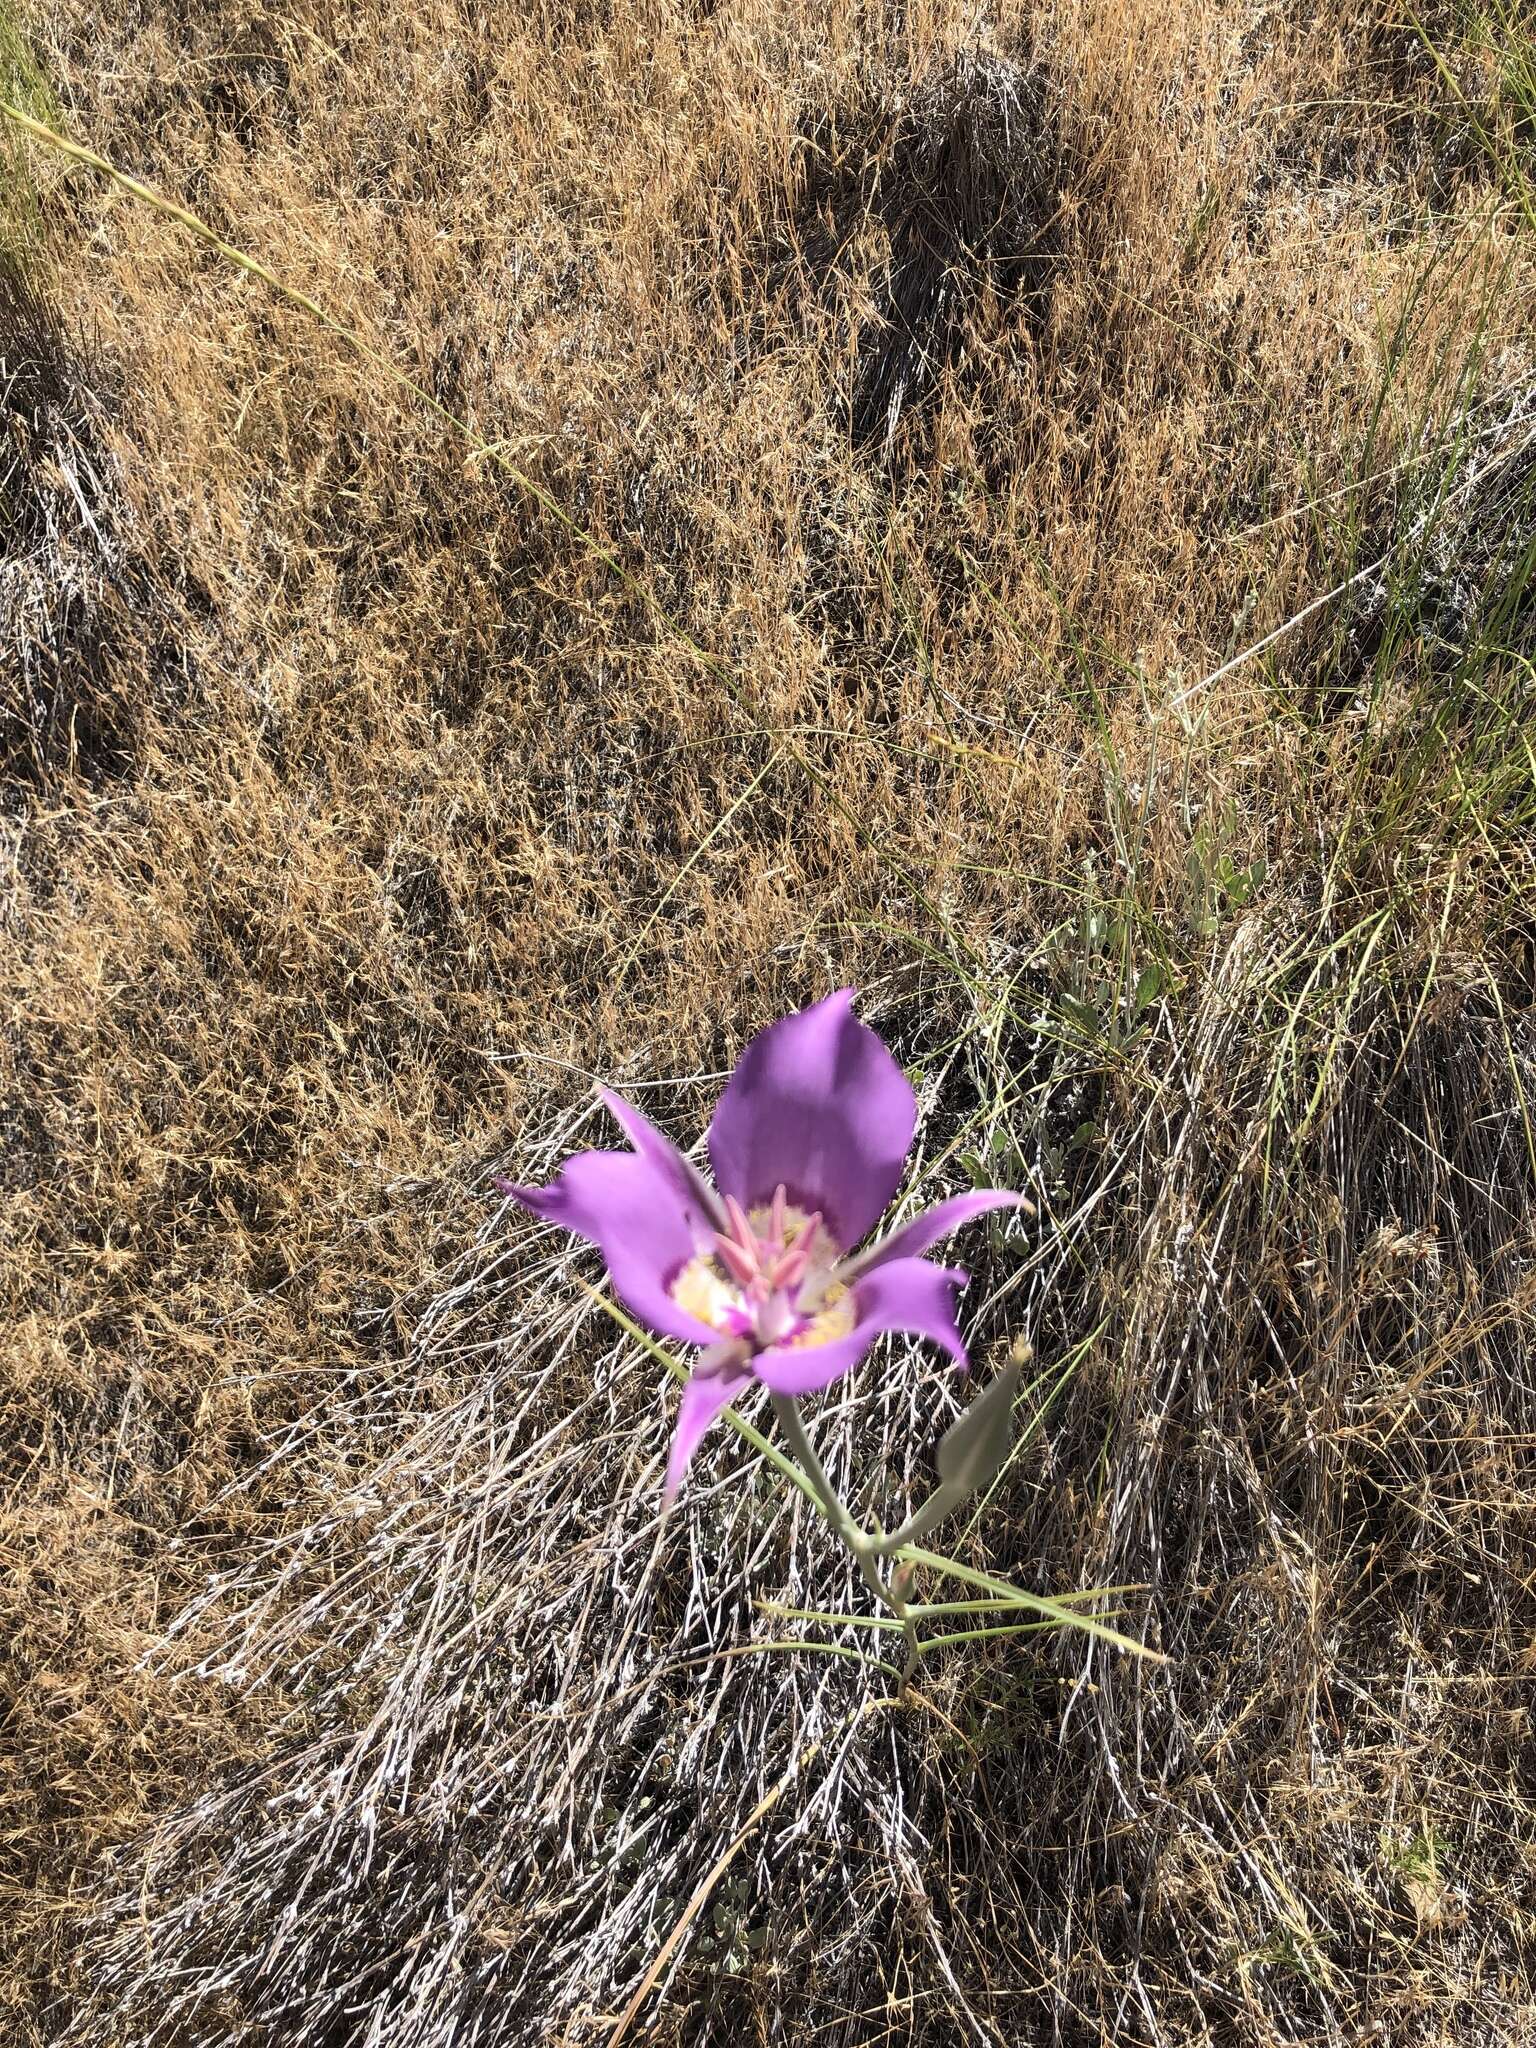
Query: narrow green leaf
[1036, 1603]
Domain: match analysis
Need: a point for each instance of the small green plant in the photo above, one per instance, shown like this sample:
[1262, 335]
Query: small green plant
[1418, 1856]
[1290, 1951]
[1418, 1862]
[731, 1941]
[1220, 883]
[1003, 1166]
[1107, 976]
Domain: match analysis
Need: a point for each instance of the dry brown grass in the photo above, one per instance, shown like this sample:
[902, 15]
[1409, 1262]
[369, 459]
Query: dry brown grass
[964, 391]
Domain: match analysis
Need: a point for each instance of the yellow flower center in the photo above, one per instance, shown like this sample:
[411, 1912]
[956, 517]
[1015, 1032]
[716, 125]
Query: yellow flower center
[817, 1310]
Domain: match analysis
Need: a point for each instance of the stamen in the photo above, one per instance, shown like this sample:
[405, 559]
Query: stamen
[788, 1270]
[741, 1230]
[808, 1230]
[776, 1215]
[740, 1263]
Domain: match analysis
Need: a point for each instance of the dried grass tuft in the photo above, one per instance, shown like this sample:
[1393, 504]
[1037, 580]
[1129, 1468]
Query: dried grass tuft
[964, 192]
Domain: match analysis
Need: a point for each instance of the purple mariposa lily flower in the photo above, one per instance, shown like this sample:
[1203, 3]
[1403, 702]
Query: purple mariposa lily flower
[808, 1144]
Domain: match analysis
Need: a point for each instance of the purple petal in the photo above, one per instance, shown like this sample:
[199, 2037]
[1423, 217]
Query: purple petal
[717, 1377]
[907, 1294]
[927, 1228]
[693, 1189]
[633, 1213]
[818, 1104]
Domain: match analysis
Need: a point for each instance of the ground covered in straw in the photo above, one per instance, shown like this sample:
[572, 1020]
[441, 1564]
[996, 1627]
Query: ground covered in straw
[1029, 511]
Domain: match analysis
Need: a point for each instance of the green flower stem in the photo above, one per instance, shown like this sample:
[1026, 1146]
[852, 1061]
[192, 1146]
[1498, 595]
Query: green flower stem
[866, 1548]
[788, 1416]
